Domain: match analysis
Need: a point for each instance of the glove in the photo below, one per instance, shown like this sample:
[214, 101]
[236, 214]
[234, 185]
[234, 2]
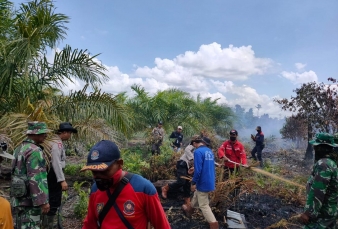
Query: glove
[3, 146]
[252, 137]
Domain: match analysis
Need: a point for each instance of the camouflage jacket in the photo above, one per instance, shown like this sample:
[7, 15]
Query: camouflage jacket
[30, 162]
[322, 190]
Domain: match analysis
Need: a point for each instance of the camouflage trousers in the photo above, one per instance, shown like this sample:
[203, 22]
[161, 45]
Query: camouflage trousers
[322, 224]
[27, 217]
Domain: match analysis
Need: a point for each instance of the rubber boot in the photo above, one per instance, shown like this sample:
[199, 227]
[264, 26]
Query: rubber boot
[48, 221]
[165, 190]
[188, 210]
[261, 164]
[214, 225]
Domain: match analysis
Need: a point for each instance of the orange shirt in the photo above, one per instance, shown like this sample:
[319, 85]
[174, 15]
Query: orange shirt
[6, 220]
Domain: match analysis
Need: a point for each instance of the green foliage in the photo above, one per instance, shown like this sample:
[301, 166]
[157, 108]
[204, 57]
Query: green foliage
[175, 107]
[163, 166]
[81, 206]
[74, 170]
[133, 160]
[269, 167]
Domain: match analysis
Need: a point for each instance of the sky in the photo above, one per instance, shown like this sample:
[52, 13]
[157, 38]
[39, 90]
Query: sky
[244, 52]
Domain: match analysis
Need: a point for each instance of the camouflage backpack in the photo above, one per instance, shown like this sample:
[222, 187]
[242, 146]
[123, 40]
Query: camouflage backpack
[19, 183]
[19, 186]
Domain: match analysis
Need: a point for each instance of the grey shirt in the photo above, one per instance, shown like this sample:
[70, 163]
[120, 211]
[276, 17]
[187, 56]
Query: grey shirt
[58, 158]
[188, 155]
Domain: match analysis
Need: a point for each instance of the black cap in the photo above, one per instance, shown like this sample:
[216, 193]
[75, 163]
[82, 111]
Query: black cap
[233, 132]
[102, 155]
[258, 128]
[66, 126]
[206, 141]
[160, 122]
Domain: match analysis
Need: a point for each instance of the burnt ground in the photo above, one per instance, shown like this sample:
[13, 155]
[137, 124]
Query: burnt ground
[260, 211]
[260, 208]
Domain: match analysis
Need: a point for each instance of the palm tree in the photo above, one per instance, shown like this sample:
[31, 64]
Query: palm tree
[175, 107]
[30, 84]
[258, 107]
[24, 68]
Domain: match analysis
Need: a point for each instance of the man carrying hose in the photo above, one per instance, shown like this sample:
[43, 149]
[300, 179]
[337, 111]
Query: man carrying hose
[232, 151]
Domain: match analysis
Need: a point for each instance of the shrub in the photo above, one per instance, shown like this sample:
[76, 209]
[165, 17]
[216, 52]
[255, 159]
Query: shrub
[74, 170]
[81, 206]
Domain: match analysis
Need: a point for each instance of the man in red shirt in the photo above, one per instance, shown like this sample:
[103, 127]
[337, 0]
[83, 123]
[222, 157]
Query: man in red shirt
[232, 151]
[137, 202]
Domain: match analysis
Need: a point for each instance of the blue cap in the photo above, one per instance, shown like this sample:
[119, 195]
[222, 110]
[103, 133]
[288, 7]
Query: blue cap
[102, 155]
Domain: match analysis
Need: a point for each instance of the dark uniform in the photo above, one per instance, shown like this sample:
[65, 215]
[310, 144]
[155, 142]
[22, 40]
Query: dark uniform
[259, 140]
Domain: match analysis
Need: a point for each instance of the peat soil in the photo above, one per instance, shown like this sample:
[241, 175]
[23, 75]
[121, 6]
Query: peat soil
[260, 211]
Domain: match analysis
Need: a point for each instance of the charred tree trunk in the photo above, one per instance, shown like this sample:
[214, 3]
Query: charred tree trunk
[309, 149]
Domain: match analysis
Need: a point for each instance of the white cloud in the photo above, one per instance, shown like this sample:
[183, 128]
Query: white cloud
[247, 97]
[74, 85]
[209, 72]
[210, 61]
[299, 78]
[300, 66]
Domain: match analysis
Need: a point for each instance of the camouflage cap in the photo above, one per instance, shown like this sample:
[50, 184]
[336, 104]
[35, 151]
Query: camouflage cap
[323, 138]
[37, 128]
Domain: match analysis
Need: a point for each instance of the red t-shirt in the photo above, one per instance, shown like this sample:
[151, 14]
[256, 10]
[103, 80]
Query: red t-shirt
[238, 156]
[138, 202]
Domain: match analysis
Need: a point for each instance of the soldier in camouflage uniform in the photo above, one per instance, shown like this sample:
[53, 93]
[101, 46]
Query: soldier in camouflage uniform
[30, 163]
[322, 187]
[157, 138]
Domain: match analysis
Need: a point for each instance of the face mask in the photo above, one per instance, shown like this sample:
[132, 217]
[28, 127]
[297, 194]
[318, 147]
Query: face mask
[258, 131]
[105, 184]
[322, 152]
[232, 138]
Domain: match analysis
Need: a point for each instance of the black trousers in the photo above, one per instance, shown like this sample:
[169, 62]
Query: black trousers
[258, 150]
[155, 149]
[55, 192]
[182, 170]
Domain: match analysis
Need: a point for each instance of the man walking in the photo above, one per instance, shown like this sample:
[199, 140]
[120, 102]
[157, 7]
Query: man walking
[203, 181]
[259, 140]
[56, 178]
[157, 138]
[321, 208]
[30, 165]
[6, 219]
[120, 199]
[177, 144]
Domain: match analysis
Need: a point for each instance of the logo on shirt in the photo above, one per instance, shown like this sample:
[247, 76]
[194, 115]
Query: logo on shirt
[95, 155]
[209, 156]
[129, 207]
[99, 207]
[60, 145]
